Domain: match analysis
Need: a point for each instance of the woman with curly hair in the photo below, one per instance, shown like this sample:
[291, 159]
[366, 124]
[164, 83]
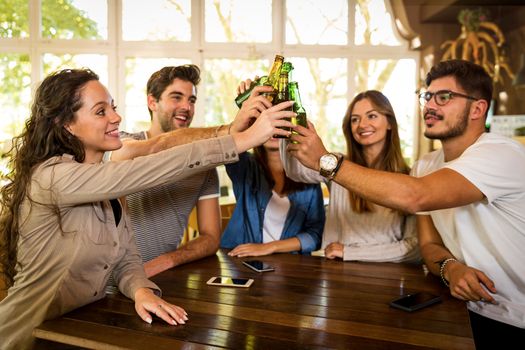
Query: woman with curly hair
[63, 228]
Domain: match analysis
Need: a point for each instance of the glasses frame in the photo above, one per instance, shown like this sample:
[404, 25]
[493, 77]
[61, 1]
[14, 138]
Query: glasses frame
[425, 97]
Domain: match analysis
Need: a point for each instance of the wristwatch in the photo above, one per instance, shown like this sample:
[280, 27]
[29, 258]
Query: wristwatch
[329, 164]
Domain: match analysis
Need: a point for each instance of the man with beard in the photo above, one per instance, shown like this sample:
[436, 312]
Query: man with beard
[160, 215]
[469, 197]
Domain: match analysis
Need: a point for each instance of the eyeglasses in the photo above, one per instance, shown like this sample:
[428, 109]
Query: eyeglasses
[441, 97]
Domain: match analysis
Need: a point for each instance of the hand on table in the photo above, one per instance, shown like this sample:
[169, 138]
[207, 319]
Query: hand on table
[146, 301]
[251, 249]
[468, 283]
[334, 250]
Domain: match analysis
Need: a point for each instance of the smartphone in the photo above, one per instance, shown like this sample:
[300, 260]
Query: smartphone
[230, 282]
[258, 265]
[415, 301]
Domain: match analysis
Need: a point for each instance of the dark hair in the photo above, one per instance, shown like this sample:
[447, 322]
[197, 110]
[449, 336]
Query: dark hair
[159, 80]
[290, 186]
[56, 100]
[391, 158]
[471, 77]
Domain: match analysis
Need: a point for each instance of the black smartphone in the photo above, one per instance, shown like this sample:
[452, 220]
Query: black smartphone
[258, 265]
[230, 282]
[415, 301]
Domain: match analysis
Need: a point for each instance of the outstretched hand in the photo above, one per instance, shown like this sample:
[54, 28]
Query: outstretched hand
[146, 301]
[266, 125]
[251, 108]
[308, 148]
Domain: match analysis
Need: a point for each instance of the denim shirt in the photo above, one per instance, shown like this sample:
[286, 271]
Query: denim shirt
[305, 218]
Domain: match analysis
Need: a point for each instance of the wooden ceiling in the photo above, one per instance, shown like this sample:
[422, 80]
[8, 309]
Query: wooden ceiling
[508, 14]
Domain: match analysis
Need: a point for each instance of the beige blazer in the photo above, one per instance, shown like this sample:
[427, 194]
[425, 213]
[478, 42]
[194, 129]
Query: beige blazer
[63, 267]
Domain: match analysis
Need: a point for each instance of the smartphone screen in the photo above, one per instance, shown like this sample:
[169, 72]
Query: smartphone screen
[230, 282]
[415, 301]
[258, 265]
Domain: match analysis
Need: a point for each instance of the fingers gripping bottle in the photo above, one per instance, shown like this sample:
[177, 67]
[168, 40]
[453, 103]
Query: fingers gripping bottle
[272, 79]
[298, 108]
[283, 93]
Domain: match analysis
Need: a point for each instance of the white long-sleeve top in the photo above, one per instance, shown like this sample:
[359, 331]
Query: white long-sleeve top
[384, 235]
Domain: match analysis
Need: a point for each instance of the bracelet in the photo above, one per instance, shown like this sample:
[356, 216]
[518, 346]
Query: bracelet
[217, 130]
[442, 269]
[220, 127]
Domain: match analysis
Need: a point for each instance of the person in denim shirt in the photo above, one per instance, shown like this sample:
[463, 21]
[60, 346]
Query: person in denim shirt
[273, 213]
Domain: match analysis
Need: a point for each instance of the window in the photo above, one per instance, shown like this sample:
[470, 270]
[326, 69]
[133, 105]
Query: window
[156, 20]
[337, 47]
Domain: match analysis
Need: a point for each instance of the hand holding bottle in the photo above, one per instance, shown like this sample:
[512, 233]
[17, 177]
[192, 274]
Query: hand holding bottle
[251, 108]
[266, 125]
[267, 80]
[306, 146]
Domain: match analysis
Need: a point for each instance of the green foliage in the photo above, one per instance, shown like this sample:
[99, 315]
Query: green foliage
[14, 21]
[15, 70]
[61, 20]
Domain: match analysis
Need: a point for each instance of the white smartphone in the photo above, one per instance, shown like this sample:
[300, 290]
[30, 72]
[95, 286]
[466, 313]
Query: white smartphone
[258, 265]
[230, 282]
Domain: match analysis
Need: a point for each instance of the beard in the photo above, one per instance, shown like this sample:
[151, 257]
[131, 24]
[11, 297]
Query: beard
[455, 130]
[168, 123]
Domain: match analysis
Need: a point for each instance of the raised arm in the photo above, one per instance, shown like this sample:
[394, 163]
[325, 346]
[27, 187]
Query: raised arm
[250, 110]
[137, 148]
[441, 189]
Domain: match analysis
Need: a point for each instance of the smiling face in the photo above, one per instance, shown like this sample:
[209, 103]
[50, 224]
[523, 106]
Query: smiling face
[96, 122]
[176, 106]
[369, 127]
[448, 121]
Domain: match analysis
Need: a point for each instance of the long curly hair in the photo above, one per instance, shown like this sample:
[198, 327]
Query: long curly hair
[56, 100]
[391, 158]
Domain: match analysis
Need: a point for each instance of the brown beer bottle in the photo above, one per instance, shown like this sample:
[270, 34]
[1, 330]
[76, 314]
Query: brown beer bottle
[298, 108]
[272, 79]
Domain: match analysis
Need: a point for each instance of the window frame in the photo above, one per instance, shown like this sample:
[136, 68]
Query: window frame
[197, 50]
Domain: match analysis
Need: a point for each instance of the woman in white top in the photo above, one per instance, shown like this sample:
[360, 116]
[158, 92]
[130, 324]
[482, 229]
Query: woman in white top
[357, 229]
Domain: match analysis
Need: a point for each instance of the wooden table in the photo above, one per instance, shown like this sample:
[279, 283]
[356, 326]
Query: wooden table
[307, 302]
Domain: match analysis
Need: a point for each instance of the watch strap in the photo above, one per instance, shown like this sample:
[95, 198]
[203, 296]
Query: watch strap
[340, 159]
[330, 174]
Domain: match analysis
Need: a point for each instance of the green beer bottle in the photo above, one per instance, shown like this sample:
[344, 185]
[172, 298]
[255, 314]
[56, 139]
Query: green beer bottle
[298, 108]
[244, 96]
[283, 93]
[272, 79]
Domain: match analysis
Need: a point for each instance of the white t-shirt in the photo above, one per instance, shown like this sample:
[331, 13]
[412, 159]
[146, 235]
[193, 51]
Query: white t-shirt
[488, 235]
[275, 217]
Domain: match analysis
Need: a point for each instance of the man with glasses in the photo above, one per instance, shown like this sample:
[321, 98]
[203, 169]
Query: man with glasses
[469, 197]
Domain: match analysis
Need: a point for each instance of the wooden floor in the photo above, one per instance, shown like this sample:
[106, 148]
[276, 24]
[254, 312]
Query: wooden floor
[306, 303]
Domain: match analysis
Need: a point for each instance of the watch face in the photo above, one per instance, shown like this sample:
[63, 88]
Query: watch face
[328, 162]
